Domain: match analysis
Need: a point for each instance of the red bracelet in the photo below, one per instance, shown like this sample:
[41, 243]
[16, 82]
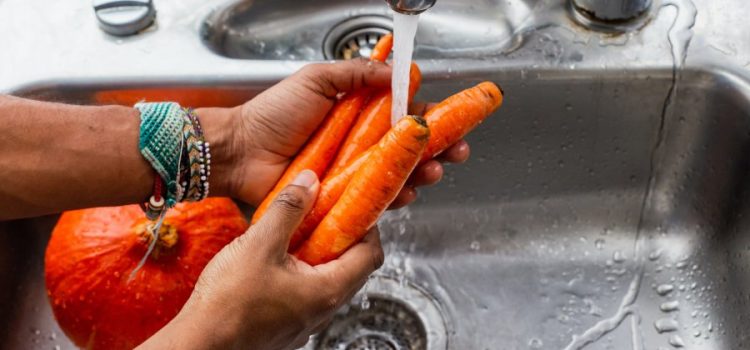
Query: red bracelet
[154, 205]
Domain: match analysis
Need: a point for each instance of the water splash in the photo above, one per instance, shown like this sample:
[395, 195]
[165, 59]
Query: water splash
[607, 325]
[681, 32]
[404, 30]
[364, 304]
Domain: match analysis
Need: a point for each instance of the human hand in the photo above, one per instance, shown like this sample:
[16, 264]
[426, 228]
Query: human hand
[253, 295]
[270, 129]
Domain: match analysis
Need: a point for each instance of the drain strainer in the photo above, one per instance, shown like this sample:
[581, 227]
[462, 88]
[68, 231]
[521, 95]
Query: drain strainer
[400, 316]
[355, 37]
[385, 325]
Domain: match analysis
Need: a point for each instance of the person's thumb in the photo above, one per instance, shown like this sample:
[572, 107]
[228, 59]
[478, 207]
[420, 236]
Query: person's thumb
[286, 212]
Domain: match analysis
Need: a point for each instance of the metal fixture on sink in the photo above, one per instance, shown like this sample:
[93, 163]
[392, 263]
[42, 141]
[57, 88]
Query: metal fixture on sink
[411, 7]
[397, 315]
[123, 18]
[610, 15]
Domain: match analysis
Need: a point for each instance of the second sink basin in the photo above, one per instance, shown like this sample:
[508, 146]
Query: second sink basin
[285, 30]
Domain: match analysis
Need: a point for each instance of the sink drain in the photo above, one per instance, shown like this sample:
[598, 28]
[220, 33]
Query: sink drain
[355, 37]
[385, 324]
[400, 316]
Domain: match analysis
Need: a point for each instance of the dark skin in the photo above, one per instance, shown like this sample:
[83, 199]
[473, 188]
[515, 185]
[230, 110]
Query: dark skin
[59, 157]
[80, 154]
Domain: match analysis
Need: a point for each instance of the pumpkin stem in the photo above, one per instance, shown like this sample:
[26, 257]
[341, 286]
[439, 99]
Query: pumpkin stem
[167, 236]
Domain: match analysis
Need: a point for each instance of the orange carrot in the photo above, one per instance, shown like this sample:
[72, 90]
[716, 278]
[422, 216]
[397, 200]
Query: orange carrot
[457, 115]
[373, 123]
[371, 190]
[320, 149]
[382, 49]
[451, 120]
[331, 188]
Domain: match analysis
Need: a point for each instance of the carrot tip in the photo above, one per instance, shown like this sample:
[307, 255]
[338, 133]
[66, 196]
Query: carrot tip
[419, 119]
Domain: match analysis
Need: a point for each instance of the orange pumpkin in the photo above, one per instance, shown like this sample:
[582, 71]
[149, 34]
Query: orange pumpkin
[92, 253]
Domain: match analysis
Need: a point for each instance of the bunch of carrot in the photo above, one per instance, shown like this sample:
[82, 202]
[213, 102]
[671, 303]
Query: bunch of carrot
[364, 162]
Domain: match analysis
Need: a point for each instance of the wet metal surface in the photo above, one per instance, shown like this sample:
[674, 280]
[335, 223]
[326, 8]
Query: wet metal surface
[604, 206]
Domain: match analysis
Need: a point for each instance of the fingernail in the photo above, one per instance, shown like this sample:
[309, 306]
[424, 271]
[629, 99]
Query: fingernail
[307, 178]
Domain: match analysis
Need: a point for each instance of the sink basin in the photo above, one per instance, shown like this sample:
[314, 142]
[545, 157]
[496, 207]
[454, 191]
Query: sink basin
[596, 204]
[599, 207]
[274, 30]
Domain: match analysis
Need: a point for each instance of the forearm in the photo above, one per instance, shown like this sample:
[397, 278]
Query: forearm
[57, 157]
[191, 334]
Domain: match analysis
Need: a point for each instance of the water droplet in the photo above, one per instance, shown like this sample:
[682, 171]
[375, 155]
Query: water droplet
[53, 336]
[56, 347]
[669, 306]
[697, 334]
[618, 257]
[365, 303]
[663, 325]
[676, 341]
[599, 243]
[475, 245]
[664, 289]
[535, 343]
[654, 255]
[681, 264]
[568, 107]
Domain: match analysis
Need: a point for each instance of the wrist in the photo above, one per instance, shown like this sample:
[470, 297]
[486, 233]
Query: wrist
[192, 330]
[218, 125]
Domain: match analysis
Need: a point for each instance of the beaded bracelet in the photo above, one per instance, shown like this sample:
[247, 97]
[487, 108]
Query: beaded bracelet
[154, 206]
[191, 182]
[204, 158]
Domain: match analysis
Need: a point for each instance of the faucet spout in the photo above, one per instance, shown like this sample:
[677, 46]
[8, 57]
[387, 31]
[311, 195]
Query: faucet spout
[410, 7]
[613, 10]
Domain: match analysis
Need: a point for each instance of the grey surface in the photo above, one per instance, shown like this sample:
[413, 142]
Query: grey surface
[588, 180]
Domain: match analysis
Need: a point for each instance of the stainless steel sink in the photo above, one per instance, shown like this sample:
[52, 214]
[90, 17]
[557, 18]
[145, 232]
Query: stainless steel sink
[604, 207]
[274, 30]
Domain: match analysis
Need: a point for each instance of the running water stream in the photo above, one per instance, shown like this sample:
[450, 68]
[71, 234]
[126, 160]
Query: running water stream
[404, 30]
